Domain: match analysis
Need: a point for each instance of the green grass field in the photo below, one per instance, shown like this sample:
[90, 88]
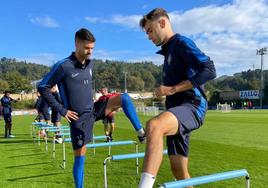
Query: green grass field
[227, 141]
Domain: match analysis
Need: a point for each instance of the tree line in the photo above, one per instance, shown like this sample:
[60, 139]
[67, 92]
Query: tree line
[16, 76]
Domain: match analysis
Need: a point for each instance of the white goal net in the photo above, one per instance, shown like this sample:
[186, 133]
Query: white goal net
[224, 108]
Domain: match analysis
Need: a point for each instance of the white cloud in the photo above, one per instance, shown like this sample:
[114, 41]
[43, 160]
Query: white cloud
[92, 19]
[126, 55]
[44, 21]
[228, 33]
[127, 21]
[245, 16]
[41, 58]
[145, 6]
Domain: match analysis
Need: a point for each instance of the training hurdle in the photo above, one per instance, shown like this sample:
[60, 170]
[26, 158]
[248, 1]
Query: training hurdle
[116, 143]
[61, 134]
[123, 157]
[33, 127]
[56, 131]
[208, 179]
[44, 126]
[48, 128]
[93, 145]
[98, 138]
[93, 139]
[52, 130]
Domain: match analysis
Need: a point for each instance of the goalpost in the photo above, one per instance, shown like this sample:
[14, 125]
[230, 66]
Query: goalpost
[224, 107]
[155, 109]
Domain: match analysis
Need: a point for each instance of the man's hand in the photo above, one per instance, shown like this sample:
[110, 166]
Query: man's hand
[164, 91]
[71, 115]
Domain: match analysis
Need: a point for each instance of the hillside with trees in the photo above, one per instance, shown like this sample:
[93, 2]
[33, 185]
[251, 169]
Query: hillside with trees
[16, 76]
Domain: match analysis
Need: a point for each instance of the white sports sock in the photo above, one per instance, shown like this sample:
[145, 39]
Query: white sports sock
[141, 132]
[147, 180]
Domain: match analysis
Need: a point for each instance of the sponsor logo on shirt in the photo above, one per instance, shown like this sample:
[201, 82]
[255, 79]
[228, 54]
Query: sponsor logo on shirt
[74, 75]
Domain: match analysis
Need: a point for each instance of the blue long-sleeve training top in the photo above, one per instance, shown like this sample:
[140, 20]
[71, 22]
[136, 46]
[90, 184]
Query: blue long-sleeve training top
[74, 81]
[184, 61]
[6, 103]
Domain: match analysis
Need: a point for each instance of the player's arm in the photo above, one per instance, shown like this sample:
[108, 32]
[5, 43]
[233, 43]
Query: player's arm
[52, 78]
[205, 72]
[170, 90]
[204, 69]
[202, 65]
[14, 100]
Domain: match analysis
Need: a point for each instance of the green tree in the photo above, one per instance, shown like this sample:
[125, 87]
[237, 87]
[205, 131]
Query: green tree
[135, 83]
[3, 85]
[17, 82]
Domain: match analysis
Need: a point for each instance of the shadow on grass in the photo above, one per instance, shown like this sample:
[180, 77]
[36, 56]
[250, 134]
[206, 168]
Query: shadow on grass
[29, 148]
[11, 141]
[25, 165]
[29, 177]
[28, 155]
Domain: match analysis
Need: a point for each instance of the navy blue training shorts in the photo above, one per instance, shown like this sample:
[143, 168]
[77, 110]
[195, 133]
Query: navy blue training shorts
[55, 116]
[44, 115]
[7, 118]
[81, 130]
[188, 121]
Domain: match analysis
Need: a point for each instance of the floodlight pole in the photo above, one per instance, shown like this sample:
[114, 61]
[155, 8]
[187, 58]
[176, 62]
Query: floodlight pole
[261, 52]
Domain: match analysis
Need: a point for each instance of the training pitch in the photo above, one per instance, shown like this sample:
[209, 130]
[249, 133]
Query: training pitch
[227, 141]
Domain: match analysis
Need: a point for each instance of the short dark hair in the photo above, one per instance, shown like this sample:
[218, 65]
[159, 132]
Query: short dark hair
[6, 92]
[153, 15]
[84, 34]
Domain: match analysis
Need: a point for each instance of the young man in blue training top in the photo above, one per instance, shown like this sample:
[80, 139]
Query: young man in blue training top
[185, 71]
[55, 115]
[73, 75]
[37, 106]
[6, 101]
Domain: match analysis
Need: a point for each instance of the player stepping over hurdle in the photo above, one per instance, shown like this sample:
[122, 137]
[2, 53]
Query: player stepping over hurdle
[107, 105]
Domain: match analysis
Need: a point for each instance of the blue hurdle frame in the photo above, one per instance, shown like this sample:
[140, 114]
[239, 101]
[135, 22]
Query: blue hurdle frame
[44, 126]
[96, 145]
[70, 140]
[208, 179]
[123, 157]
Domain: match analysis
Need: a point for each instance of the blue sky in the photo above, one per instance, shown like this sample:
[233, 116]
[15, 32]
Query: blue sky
[229, 31]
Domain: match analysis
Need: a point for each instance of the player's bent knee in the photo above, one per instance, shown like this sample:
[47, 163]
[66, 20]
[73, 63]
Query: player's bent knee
[152, 127]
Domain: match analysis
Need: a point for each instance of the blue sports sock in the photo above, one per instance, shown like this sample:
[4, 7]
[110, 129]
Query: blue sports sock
[78, 171]
[130, 111]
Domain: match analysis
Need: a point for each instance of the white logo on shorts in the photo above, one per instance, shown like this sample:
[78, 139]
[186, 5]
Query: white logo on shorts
[80, 141]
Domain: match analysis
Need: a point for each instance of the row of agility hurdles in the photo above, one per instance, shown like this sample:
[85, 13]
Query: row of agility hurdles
[64, 132]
